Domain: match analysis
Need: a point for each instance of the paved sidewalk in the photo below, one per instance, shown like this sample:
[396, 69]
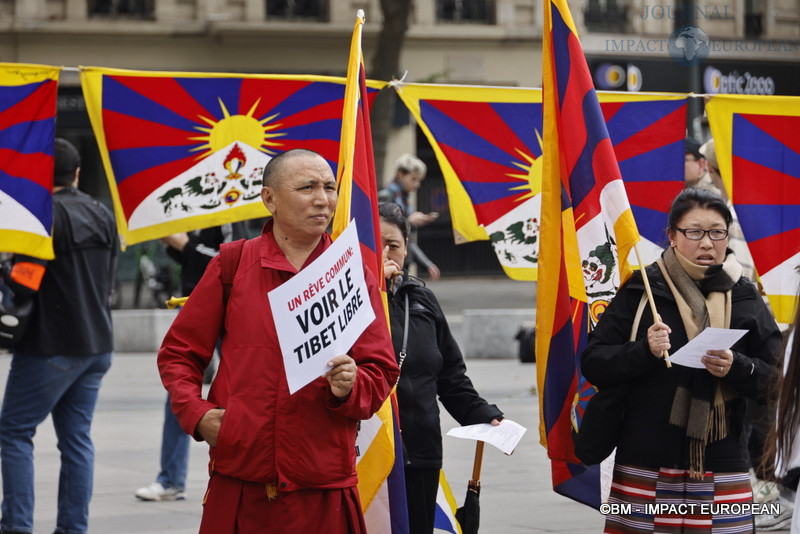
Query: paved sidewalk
[516, 495]
[516, 490]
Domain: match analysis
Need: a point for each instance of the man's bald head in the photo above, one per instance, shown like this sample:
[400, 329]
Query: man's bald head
[275, 168]
[300, 193]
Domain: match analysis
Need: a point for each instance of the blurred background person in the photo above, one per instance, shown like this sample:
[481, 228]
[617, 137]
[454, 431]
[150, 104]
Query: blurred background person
[694, 164]
[714, 183]
[709, 152]
[409, 171]
[6, 294]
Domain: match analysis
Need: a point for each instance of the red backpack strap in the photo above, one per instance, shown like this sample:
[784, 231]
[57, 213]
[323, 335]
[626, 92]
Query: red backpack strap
[230, 254]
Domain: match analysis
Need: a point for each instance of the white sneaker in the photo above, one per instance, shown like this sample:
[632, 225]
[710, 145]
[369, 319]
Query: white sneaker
[779, 521]
[157, 492]
[765, 491]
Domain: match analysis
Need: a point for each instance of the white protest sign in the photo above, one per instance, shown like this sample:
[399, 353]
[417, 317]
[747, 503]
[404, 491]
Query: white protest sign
[320, 312]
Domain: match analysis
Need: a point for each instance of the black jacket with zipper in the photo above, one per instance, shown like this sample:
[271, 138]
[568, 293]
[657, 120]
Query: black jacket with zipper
[72, 313]
[433, 367]
[647, 439]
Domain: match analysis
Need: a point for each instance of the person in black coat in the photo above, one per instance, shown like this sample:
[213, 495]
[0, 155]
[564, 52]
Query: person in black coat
[431, 366]
[684, 435]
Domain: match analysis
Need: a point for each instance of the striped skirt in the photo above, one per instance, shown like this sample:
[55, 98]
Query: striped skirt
[667, 501]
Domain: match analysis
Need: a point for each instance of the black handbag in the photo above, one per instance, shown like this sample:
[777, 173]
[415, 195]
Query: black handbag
[601, 424]
[13, 323]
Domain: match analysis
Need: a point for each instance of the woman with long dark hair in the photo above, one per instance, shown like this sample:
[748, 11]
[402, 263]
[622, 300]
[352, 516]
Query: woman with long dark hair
[782, 451]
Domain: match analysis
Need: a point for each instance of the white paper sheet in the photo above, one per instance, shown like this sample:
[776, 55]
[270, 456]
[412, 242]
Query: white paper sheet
[504, 436]
[709, 339]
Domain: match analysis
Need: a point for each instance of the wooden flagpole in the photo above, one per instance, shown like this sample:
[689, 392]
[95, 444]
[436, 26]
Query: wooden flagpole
[476, 467]
[649, 295]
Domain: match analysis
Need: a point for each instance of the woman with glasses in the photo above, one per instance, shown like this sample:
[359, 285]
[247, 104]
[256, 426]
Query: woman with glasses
[431, 366]
[683, 437]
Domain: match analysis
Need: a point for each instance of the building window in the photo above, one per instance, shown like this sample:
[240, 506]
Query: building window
[605, 16]
[465, 11]
[316, 10]
[753, 22]
[137, 9]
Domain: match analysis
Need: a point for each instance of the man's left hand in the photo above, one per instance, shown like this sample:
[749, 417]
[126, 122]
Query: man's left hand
[342, 375]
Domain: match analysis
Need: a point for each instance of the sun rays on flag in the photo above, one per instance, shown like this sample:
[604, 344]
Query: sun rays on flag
[244, 128]
[533, 173]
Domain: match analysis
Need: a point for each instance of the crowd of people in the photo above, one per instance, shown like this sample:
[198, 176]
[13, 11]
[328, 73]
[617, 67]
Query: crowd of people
[722, 433]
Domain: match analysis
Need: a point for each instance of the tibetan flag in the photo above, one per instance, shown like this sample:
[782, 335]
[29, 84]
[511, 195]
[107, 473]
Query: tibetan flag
[758, 152]
[27, 133]
[388, 512]
[647, 131]
[381, 482]
[587, 231]
[184, 151]
[356, 178]
[488, 140]
[445, 516]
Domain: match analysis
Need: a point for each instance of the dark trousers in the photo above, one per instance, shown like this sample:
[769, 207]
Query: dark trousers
[421, 488]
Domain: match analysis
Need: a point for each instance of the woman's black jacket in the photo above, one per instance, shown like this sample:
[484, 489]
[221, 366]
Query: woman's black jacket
[433, 367]
[647, 439]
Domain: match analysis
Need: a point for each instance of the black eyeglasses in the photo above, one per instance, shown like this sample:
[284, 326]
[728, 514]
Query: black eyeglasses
[696, 234]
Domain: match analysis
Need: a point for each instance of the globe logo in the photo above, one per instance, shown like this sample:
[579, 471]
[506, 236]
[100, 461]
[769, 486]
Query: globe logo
[688, 45]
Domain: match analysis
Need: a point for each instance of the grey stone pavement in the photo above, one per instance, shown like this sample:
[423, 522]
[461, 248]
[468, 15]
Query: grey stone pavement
[516, 493]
